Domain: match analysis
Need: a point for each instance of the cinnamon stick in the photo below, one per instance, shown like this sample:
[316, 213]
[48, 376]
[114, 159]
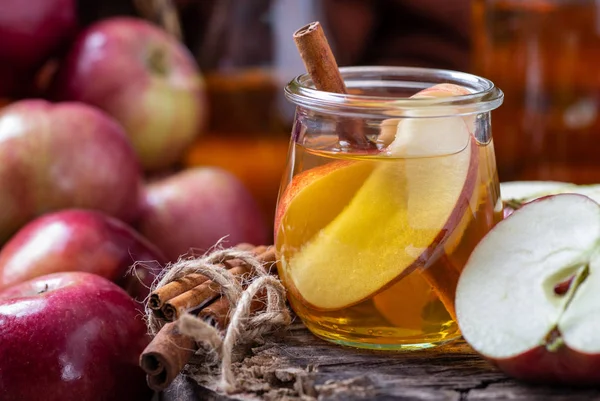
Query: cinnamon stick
[318, 58]
[198, 297]
[206, 292]
[165, 356]
[218, 312]
[161, 295]
[169, 351]
[323, 69]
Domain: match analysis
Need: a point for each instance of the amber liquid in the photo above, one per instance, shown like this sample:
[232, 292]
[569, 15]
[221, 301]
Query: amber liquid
[406, 313]
[246, 134]
[544, 55]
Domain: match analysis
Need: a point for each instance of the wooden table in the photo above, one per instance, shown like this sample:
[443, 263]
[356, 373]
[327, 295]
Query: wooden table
[299, 366]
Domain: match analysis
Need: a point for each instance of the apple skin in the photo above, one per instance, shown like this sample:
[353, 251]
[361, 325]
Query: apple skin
[557, 363]
[57, 156]
[71, 336]
[196, 208]
[81, 240]
[32, 31]
[144, 78]
[298, 183]
[563, 366]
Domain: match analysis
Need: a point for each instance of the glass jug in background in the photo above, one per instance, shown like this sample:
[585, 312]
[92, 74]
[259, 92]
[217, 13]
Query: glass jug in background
[545, 55]
[246, 54]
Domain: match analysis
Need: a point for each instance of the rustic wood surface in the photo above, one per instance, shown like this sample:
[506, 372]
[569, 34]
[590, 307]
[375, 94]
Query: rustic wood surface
[299, 366]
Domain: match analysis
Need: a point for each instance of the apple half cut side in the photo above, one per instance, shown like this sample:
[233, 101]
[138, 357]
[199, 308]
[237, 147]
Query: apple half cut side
[528, 190]
[512, 304]
[515, 194]
[396, 221]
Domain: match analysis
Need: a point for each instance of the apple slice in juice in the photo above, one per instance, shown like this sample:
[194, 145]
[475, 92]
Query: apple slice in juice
[396, 218]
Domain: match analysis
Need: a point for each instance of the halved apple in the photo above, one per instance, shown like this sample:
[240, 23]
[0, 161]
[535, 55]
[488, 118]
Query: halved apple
[515, 194]
[399, 214]
[528, 190]
[511, 302]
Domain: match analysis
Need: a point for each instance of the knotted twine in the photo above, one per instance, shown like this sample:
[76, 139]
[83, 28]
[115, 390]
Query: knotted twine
[244, 326]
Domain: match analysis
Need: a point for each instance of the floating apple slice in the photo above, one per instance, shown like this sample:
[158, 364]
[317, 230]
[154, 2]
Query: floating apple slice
[397, 219]
[311, 190]
[529, 296]
[407, 316]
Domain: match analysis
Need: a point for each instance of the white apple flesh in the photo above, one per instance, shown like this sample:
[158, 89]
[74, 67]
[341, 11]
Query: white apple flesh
[519, 190]
[516, 193]
[512, 303]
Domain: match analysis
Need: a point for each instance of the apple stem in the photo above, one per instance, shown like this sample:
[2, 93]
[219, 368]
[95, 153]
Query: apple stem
[157, 61]
[45, 289]
[554, 340]
[514, 203]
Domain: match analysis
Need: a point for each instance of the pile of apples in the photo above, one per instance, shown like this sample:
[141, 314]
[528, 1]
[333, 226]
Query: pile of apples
[93, 112]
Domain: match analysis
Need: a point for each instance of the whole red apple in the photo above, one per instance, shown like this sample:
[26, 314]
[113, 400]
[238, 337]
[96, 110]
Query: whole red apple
[32, 31]
[144, 78]
[195, 208]
[70, 336]
[57, 156]
[81, 240]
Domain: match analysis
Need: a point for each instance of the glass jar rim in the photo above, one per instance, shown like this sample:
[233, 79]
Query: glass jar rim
[484, 96]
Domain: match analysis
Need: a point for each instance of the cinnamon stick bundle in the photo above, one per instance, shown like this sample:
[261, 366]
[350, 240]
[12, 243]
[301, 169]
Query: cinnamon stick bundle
[161, 295]
[199, 296]
[169, 351]
[207, 291]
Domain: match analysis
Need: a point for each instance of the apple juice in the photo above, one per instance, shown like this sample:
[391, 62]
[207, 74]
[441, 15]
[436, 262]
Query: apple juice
[413, 309]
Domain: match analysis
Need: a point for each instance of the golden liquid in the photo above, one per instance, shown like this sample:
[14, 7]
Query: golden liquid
[544, 55]
[405, 314]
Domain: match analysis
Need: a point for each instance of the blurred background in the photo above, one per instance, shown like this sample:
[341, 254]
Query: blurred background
[541, 53]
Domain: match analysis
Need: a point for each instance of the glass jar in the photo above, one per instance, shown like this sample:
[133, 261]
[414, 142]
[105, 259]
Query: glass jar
[544, 55]
[371, 242]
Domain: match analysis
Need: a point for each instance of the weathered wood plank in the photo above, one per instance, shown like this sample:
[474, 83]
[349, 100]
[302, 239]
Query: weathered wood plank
[299, 366]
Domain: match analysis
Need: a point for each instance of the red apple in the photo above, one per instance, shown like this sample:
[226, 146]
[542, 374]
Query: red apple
[56, 156]
[81, 240]
[144, 78]
[70, 336]
[32, 31]
[197, 207]
[528, 298]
